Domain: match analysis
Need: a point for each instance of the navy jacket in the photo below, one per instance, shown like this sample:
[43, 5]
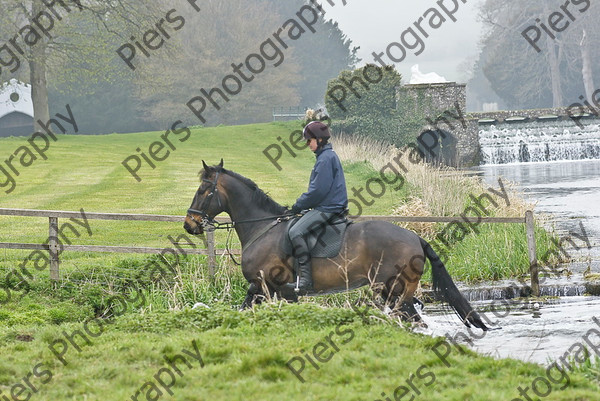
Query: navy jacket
[327, 186]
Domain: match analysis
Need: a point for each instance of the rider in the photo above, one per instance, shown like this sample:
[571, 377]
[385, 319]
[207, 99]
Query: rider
[326, 197]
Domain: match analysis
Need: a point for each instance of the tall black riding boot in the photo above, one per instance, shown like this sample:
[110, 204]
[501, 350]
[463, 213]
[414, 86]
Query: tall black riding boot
[302, 255]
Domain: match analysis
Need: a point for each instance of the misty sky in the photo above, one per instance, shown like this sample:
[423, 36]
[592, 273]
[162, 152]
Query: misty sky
[373, 24]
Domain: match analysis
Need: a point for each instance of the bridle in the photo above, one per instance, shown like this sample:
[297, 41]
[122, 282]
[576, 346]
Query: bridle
[206, 219]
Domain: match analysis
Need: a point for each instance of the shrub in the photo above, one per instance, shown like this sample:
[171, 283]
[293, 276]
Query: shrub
[375, 100]
[371, 106]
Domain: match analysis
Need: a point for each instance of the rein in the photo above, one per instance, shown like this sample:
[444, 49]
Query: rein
[231, 224]
[215, 225]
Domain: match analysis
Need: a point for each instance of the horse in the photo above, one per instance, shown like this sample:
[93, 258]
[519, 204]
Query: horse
[376, 253]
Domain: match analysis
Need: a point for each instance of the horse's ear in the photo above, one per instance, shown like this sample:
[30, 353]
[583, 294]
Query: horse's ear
[221, 164]
[204, 165]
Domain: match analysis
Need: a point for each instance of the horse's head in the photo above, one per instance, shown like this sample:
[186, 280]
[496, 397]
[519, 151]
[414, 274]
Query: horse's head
[208, 201]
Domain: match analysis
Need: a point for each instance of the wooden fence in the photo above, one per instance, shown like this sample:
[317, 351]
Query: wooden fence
[288, 113]
[53, 246]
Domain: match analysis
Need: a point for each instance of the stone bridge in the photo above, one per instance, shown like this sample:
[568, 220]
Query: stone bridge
[513, 116]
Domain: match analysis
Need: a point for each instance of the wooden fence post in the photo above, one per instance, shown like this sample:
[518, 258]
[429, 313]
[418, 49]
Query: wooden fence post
[53, 248]
[531, 249]
[212, 256]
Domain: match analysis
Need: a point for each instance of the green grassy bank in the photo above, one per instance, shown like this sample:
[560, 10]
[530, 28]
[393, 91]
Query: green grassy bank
[244, 354]
[334, 354]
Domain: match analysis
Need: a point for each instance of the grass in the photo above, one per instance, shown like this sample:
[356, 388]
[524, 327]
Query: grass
[87, 172]
[472, 261]
[245, 353]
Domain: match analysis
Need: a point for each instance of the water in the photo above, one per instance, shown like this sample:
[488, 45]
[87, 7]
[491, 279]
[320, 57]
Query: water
[539, 332]
[570, 191]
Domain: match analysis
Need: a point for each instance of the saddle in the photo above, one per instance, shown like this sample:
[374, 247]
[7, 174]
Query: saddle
[323, 244]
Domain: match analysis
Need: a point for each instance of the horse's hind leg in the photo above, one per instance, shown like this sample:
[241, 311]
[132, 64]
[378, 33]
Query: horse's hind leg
[407, 310]
[399, 295]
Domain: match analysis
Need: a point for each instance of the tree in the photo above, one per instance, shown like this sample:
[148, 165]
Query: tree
[374, 108]
[321, 55]
[230, 32]
[77, 61]
[375, 93]
[47, 36]
[543, 71]
[222, 34]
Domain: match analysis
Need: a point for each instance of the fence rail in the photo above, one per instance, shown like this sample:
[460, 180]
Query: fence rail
[53, 246]
[288, 113]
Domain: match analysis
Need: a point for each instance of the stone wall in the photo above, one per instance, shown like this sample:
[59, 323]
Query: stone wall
[445, 106]
[439, 97]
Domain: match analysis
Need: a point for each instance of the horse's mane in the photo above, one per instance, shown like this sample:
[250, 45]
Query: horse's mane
[259, 197]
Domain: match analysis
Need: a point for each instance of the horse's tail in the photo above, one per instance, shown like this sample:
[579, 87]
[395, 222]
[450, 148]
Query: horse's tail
[444, 286]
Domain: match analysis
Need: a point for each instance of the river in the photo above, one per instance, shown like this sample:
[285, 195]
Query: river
[541, 331]
[569, 190]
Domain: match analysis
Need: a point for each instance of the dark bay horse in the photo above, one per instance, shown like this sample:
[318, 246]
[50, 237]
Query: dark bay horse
[378, 253]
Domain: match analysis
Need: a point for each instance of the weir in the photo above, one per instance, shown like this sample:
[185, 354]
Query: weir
[500, 291]
[538, 141]
[536, 135]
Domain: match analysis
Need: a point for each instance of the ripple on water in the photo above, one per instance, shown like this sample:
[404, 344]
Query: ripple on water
[538, 335]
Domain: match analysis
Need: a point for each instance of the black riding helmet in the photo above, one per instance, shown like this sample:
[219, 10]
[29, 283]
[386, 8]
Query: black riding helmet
[316, 129]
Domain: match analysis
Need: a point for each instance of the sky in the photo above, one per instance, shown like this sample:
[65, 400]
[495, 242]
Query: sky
[374, 24]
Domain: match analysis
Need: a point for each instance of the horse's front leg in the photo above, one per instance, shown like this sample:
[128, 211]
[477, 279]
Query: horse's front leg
[253, 290]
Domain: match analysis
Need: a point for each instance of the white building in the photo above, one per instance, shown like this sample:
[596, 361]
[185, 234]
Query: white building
[16, 109]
